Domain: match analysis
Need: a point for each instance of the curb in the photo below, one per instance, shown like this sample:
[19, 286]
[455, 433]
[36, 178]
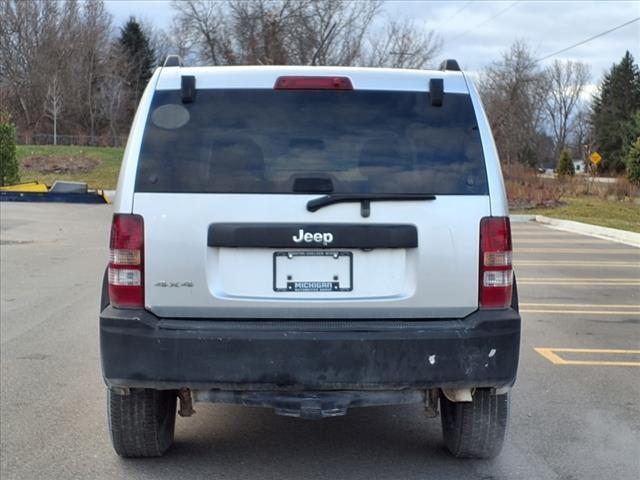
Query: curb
[605, 233]
[522, 218]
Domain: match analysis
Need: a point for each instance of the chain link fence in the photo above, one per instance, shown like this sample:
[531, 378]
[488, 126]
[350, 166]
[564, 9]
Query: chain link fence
[79, 140]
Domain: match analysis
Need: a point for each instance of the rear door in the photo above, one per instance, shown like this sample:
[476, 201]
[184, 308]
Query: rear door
[224, 182]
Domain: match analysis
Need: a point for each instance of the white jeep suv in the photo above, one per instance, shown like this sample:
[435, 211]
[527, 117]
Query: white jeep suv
[309, 239]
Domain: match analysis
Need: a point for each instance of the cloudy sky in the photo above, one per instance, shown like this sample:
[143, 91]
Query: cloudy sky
[476, 32]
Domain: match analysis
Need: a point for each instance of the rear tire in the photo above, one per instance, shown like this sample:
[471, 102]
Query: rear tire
[141, 423]
[475, 429]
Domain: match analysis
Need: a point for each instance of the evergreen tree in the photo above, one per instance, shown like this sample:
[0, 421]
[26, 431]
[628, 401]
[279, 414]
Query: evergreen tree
[633, 162]
[565, 165]
[631, 132]
[139, 58]
[613, 108]
[8, 160]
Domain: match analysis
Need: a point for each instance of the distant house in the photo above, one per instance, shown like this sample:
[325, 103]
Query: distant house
[579, 166]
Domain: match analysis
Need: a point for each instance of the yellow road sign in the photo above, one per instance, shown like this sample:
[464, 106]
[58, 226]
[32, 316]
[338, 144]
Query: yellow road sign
[596, 158]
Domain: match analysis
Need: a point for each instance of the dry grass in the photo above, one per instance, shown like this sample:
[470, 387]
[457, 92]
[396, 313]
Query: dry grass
[525, 189]
[580, 198]
[622, 189]
[59, 165]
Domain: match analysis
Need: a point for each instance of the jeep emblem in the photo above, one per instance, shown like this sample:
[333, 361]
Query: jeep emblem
[308, 237]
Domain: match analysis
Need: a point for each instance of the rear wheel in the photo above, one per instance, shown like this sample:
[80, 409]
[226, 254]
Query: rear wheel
[475, 429]
[142, 422]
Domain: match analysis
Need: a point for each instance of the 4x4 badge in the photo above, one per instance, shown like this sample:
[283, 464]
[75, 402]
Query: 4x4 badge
[174, 284]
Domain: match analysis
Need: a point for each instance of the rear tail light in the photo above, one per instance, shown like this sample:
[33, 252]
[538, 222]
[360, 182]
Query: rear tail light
[496, 271]
[126, 262]
[313, 83]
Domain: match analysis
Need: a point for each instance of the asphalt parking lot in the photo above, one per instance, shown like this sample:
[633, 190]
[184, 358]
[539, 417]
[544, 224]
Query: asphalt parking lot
[576, 405]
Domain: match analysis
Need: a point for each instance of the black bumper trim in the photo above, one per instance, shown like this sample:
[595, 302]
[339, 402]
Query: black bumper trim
[141, 350]
[283, 235]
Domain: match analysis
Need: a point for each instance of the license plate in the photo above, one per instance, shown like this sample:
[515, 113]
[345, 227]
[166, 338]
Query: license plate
[313, 271]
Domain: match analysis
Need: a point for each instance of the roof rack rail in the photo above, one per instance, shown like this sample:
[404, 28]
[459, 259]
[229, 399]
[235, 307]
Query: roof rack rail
[173, 61]
[450, 64]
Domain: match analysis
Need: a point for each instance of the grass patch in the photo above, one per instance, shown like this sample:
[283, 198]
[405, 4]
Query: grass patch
[104, 175]
[623, 215]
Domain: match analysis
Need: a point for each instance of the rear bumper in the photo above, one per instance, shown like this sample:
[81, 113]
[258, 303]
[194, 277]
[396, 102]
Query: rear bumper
[141, 350]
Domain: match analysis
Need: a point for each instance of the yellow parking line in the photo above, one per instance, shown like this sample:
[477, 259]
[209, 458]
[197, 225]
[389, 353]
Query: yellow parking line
[549, 354]
[579, 279]
[602, 251]
[601, 363]
[580, 309]
[540, 237]
[569, 263]
[580, 284]
[532, 228]
[597, 350]
[582, 305]
[579, 312]
[520, 241]
[550, 233]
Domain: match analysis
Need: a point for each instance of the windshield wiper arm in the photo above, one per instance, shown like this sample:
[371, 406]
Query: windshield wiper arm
[365, 199]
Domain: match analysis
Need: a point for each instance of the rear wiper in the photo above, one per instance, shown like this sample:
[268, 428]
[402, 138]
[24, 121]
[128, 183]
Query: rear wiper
[364, 199]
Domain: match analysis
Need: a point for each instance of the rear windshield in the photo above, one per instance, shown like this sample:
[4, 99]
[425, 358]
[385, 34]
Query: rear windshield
[287, 141]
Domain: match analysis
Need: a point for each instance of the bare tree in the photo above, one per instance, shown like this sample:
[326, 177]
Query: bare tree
[582, 136]
[513, 91]
[201, 24]
[28, 31]
[566, 82]
[112, 95]
[40, 40]
[90, 64]
[403, 45]
[332, 32]
[177, 39]
[258, 31]
[54, 104]
[302, 32]
[161, 41]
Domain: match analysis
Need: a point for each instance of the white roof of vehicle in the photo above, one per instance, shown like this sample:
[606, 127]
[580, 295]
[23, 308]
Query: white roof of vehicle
[265, 77]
